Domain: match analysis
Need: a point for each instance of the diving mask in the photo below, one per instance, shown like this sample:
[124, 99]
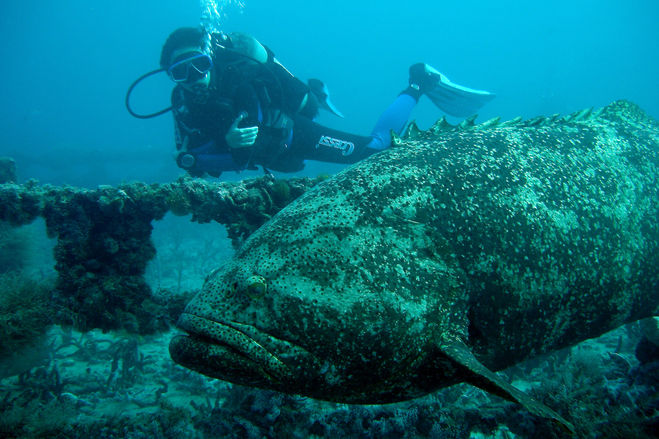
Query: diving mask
[188, 69]
[191, 68]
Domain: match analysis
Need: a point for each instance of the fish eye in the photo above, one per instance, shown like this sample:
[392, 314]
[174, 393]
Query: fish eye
[256, 287]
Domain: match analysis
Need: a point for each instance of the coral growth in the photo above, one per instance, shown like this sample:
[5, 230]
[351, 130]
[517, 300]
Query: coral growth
[104, 238]
[25, 315]
[24, 311]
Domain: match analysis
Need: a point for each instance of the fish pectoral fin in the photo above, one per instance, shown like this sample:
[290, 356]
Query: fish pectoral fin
[483, 378]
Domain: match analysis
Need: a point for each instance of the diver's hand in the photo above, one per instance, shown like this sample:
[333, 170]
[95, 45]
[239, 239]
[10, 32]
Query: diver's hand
[241, 137]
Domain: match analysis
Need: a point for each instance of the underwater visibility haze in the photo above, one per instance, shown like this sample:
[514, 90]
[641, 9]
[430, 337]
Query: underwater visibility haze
[481, 278]
[74, 62]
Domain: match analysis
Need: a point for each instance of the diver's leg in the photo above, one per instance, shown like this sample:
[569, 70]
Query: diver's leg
[312, 141]
[423, 79]
[394, 118]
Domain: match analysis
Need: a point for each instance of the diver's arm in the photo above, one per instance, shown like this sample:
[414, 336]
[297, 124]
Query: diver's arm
[295, 90]
[198, 153]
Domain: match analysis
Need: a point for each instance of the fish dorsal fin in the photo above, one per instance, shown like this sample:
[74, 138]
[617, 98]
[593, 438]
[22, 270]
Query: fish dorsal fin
[480, 376]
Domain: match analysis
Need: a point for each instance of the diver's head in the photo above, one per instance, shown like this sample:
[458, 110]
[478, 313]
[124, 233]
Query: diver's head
[184, 60]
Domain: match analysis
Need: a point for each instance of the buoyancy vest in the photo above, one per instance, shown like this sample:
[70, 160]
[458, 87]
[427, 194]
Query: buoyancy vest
[246, 78]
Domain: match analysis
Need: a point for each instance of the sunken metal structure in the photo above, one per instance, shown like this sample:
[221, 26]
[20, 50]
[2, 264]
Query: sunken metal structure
[104, 237]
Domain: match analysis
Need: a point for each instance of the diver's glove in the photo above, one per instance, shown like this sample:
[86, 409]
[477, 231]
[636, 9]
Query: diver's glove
[241, 137]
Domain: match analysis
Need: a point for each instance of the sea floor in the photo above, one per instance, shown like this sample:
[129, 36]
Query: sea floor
[124, 386]
[70, 384]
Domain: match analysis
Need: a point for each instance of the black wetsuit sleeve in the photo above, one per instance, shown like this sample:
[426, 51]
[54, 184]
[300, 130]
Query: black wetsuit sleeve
[200, 138]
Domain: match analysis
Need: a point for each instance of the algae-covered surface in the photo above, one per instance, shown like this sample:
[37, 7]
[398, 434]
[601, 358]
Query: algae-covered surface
[61, 378]
[69, 384]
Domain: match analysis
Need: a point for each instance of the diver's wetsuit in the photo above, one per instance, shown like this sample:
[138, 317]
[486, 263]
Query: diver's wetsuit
[282, 106]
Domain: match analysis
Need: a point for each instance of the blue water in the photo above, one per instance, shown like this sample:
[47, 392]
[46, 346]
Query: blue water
[66, 66]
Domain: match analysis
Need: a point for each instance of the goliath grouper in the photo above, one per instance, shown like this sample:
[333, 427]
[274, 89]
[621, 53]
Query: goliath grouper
[461, 251]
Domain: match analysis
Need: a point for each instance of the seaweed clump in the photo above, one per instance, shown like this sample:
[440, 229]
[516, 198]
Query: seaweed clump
[13, 248]
[24, 317]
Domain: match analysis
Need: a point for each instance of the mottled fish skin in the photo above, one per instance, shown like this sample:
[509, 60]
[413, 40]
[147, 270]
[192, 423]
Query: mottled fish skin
[512, 239]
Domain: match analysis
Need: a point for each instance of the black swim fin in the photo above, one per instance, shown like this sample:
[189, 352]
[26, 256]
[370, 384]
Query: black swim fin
[321, 92]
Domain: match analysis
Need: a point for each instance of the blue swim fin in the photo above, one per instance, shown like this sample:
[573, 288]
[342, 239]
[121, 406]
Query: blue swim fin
[453, 99]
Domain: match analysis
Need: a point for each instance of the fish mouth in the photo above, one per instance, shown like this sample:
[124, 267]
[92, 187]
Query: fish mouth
[230, 351]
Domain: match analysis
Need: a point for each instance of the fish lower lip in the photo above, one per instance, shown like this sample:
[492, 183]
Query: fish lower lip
[227, 335]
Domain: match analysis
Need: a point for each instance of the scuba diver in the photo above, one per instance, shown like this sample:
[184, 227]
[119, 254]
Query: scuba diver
[235, 107]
